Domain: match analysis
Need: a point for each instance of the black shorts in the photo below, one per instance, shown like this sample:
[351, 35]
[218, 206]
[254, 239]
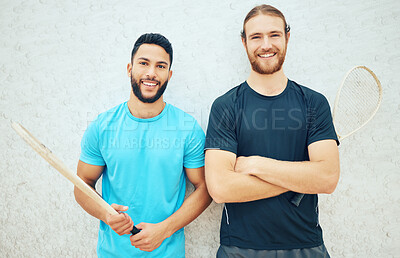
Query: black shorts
[236, 252]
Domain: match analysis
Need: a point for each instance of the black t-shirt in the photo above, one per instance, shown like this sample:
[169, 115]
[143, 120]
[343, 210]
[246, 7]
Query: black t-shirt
[281, 127]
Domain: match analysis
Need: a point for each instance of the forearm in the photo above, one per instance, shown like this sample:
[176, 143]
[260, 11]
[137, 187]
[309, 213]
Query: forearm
[311, 177]
[235, 187]
[225, 185]
[89, 205]
[191, 208]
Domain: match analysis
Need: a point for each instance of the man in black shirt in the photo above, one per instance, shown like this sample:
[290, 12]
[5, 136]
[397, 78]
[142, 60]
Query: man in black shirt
[268, 139]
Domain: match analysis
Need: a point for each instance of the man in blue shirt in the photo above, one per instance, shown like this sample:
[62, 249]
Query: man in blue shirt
[144, 149]
[268, 139]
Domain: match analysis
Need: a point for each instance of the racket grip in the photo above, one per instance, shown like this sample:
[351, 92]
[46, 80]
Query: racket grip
[135, 230]
[296, 199]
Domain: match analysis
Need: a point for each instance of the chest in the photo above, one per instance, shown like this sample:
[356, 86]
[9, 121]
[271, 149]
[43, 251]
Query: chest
[136, 146]
[273, 128]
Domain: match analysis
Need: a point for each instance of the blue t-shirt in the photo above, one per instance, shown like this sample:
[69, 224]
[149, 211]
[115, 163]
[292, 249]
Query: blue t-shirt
[144, 161]
[281, 127]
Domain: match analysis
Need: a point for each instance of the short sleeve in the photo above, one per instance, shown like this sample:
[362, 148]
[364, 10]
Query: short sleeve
[319, 120]
[221, 133]
[90, 150]
[194, 148]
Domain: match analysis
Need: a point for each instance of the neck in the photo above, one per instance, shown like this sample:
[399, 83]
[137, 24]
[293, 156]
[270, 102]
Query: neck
[268, 84]
[145, 110]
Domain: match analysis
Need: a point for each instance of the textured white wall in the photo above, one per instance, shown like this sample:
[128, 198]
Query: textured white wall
[63, 62]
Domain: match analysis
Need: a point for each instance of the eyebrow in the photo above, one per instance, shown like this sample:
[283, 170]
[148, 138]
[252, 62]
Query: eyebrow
[254, 34]
[269, 32]
[276, 31]
[162, 62]
[144, 58]
[148, 60]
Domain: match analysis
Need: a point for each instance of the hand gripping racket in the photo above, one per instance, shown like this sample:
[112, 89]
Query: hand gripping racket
[59, 165]
[357, 101]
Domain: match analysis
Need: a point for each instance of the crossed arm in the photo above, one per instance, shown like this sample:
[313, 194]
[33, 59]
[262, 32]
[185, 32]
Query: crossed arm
[151, 235]
[225, 185]
[232, 179]
[319, 175]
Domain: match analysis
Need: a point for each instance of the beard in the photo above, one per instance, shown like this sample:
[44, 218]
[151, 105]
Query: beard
[261, 68]
[138, 93]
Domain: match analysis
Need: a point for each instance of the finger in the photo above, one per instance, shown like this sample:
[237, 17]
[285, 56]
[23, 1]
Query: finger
[126, 228]
[129, 221]
[117, 225]
[118, 207]
[143, 242]
[121, 220]
[135, 242]
[116, 219]
[141, 246]
[141, 225]
[136, 238]
[146, 249]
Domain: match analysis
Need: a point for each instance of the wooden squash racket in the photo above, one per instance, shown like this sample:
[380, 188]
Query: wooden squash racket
[59, 165]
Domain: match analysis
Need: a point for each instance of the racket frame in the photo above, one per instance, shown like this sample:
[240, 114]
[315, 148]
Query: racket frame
[341, 137]
[296, 199]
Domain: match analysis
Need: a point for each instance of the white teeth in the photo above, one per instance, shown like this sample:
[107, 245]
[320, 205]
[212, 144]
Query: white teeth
[267, 55]
[149, 84]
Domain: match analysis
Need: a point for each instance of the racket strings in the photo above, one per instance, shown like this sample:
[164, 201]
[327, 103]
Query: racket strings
[357, 101]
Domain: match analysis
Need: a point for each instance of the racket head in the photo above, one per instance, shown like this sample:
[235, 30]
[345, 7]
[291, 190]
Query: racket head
[357, 101]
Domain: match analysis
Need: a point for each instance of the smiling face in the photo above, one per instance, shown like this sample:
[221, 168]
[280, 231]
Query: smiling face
[149, 72]
[266, 43]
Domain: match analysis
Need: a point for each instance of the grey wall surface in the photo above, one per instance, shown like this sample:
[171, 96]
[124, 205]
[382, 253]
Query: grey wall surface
[64, 62]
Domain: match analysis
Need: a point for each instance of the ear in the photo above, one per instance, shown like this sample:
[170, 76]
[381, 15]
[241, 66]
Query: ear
[169, 74]
[287, 37]
[129, 69]
[244, 42]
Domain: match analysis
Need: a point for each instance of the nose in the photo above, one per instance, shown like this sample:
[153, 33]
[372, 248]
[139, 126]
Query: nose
[151, 72]
[266, 43]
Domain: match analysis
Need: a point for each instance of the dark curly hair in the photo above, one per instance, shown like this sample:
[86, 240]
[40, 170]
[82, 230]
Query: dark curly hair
[153, 38]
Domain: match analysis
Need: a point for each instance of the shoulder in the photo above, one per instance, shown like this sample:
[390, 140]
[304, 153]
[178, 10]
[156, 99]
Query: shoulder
[182, 119]
[111, 115]
[230, 98]
[175, 112]
[312, 97]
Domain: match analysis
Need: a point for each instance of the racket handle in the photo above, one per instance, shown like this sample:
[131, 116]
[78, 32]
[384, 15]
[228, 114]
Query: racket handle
[296, 199]
[135, 230]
